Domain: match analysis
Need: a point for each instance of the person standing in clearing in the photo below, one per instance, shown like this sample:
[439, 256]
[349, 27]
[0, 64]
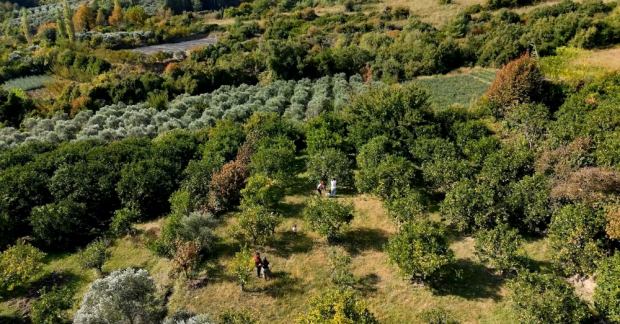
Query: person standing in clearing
[333, 188]
[320, 188]
[266, 270]
[258, 263]
[295, 230]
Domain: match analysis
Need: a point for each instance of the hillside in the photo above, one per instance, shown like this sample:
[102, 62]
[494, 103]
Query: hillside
[150, 150]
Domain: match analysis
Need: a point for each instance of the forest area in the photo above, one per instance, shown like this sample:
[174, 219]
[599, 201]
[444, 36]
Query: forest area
[309, 162]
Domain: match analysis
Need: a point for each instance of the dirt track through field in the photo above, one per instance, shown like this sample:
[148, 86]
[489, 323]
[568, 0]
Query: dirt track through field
[182, 46]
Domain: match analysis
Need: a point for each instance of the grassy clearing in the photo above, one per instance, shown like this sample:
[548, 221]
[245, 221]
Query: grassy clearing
[573, 63]
[28, 83]
[461, 89]
[430, 11]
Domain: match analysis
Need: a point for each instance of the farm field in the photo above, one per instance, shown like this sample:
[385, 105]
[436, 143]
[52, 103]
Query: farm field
[28, 83]
[173, 47]
[463, 89]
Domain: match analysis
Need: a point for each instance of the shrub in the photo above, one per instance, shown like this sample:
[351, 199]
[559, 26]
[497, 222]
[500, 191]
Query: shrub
[520, 81]
[545, 298]
[328, 164]
[607, 291]
[53, 306]
[198, 227]
[236, 317]
[18, 264]
[337, 306]
[126, 296]
[95, 255]
[339, 263]
[420, 250]
[500, 247]
[327, 217]
[577, 239]
[438, 315]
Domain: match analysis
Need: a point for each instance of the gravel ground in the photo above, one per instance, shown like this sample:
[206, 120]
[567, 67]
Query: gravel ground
[182, 46]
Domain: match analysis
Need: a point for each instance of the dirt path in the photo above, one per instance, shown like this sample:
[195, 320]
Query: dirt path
[182, 46]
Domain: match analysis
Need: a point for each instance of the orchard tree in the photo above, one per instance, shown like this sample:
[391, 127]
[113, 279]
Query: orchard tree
[53, 306]
[327, 217]
[529, 203]
[420, 250]
[392, 178]
[401, 113]
[411, 207]
[607, 291]
[330, 163]
[95, 255]
[500, 247]
[186, 259]
[258, 223]
[577, 235]
[337, 306]
[145, 186]
[241, 266]
[262, 191]
[326, 131]
[124, 297]
[470, 206]
[226, 185]
[197, 177]
[274, 158]
[520, 81]
[545, 298]
[19, 264]
[60, 225]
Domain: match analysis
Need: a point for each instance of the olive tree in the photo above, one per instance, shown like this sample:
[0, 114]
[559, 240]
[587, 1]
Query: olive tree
[327, 217]
[545, 298]
[420, 250]
[124, 297]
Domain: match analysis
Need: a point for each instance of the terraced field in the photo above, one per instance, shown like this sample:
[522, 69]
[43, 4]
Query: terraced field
[461, 89]
[181, 46]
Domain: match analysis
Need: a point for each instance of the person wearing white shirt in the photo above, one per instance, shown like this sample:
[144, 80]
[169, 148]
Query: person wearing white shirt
[333, 188]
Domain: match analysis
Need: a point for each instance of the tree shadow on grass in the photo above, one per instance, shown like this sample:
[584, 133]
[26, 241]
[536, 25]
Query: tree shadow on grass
[287, 244]
[362, 239]
[367, 284]
[475, 282]
[280, 285]
[292, 209]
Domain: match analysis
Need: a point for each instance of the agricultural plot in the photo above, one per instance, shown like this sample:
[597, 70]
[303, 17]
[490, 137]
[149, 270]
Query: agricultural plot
[174, 47]
[28, 83]
[458, 89]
